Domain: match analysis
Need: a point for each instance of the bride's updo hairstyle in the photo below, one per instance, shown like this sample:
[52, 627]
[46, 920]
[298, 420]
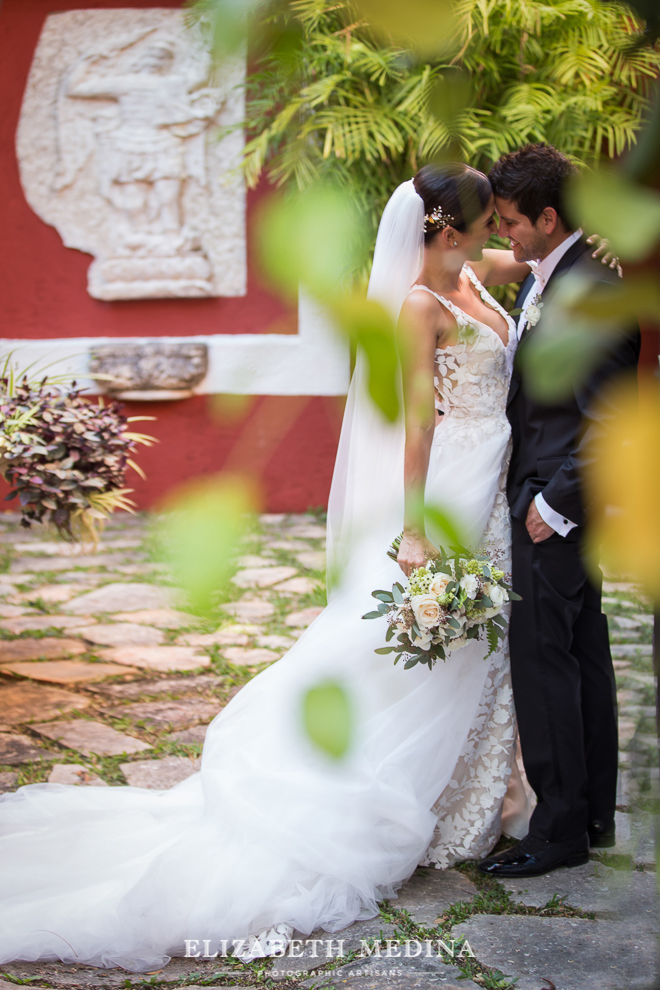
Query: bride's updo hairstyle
[461, 192]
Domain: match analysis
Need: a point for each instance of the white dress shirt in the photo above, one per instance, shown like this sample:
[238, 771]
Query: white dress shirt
[542, 270]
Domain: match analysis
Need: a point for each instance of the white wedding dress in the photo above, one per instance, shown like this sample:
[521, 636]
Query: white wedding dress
[269, 832]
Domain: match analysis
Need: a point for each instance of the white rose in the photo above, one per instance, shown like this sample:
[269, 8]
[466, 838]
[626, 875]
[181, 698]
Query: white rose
[456, 644]
[439, 584]
[470, 585]
[498, 595]
[426, 610]
[424, 641]
[533, 315]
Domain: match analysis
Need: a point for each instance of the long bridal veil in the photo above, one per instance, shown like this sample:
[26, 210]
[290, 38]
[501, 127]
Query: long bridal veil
[366, 498]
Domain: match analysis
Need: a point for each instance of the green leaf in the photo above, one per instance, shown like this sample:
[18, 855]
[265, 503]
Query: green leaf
[327, 718]
[425, 25]
[201, 532]
[442, 527]
[369, 326]
[514, 596]
[556, 360]
[373, 615]
[385, 649]
[390, 633]
[628, 214]
[453, 623]
[308, 238]
[397, 593]
[383, 596]
[410, 663]
[636, 296]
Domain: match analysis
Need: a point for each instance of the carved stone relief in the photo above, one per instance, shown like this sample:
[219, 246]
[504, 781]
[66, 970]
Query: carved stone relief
[150, 371]
[118, 150]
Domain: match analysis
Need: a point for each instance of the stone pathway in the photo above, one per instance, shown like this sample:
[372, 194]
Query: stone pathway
[105, 680]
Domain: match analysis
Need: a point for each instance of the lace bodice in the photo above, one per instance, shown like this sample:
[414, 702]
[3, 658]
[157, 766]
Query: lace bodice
[472, 375]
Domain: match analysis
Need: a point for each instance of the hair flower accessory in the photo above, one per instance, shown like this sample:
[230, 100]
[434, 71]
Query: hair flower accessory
[437, 218]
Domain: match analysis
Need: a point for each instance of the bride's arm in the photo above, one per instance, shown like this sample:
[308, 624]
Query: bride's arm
[422, 321]
[499, 267]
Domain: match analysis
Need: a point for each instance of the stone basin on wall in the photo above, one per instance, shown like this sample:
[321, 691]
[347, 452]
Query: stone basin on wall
[150, 371]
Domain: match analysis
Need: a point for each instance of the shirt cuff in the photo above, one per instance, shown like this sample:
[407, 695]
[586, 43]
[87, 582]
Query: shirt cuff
[558, 522]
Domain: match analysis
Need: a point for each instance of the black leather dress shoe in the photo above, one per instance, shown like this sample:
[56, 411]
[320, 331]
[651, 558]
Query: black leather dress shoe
[602, 835]
[533, 856]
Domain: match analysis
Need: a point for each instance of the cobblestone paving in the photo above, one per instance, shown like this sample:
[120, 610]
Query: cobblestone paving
[105, 680]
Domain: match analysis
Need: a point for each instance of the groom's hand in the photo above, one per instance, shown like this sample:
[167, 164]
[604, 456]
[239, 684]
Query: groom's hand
[536, 527]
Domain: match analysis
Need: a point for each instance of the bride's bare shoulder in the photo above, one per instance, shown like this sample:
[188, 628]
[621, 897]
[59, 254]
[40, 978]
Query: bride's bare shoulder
[422, 310]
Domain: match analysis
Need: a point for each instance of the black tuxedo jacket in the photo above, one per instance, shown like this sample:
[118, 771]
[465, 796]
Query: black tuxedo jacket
[551, 442]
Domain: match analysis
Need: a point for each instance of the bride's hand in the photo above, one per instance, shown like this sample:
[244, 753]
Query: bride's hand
[604, 252]
[413, 552]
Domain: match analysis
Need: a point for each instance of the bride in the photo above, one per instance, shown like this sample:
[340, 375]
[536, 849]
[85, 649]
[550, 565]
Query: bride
[270, 832]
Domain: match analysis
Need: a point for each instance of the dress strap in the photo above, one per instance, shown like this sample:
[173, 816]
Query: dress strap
[458, 314]
[425, 288]
[485, 294]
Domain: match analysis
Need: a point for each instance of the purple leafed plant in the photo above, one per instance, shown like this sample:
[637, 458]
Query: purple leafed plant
[65, 456]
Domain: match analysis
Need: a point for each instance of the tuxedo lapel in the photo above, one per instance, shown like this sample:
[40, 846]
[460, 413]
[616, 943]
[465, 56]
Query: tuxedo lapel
[574, 252]
[522, 295]
[514, 384]
[567, 261]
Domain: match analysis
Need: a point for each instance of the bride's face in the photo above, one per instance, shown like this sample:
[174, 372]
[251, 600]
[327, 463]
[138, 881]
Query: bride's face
[475, 238]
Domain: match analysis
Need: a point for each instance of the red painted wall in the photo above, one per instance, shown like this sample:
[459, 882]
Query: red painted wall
[291, 441]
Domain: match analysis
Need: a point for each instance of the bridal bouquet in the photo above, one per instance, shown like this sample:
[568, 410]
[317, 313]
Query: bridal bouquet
[458, 596]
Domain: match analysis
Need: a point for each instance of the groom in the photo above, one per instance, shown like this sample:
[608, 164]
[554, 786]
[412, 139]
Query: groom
[561, 666]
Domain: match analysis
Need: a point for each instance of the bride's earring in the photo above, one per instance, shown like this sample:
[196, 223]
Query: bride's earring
[455, 243]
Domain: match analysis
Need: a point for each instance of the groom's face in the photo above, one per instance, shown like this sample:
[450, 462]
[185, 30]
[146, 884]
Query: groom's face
[529, 241]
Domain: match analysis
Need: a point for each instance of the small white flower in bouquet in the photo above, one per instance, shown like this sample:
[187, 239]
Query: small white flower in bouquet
[456, 597]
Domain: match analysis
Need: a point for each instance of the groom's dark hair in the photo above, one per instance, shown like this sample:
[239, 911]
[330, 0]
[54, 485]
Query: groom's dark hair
[534, 178]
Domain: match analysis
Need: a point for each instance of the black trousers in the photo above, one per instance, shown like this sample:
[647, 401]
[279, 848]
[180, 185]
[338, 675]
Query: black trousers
[563, 686]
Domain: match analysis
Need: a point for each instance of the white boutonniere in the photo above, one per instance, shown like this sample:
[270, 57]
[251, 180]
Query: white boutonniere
[533, 314]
